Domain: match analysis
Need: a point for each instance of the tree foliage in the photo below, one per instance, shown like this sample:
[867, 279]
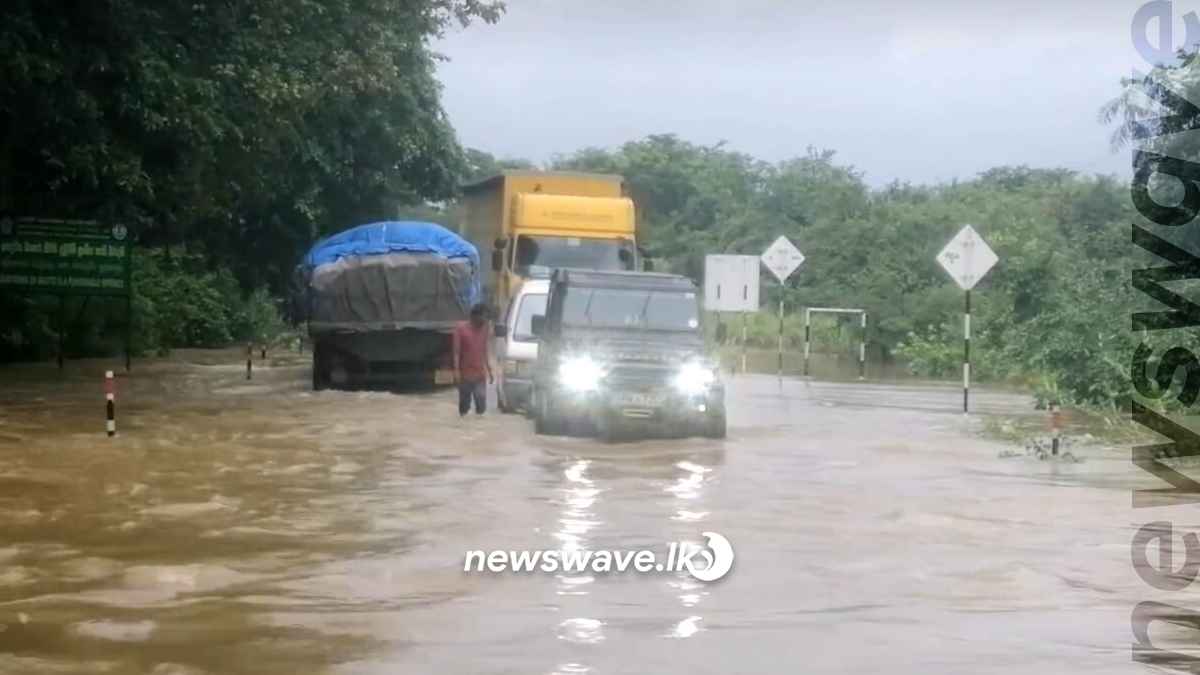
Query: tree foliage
[1061, 238]
[242, 129]
[237, 131]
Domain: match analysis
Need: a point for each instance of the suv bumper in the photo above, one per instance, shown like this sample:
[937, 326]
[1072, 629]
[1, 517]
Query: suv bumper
[661, 408]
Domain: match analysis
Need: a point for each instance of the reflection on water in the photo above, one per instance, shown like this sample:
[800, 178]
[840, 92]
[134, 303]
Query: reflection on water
[686, 628]
[581, 630]
[239, 526]
[689, 487]
[579, 496]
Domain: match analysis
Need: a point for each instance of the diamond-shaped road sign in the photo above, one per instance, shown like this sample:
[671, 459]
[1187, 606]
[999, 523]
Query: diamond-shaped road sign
[967, 258]
[782, 258]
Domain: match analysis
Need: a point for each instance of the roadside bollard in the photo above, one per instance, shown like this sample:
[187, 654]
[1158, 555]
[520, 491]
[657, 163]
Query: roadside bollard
[249, 360]
[264, 353]
[110, 396]
[1055, 427]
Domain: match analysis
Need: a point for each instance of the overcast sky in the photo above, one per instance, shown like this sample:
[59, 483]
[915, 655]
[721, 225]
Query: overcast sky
[921, 91]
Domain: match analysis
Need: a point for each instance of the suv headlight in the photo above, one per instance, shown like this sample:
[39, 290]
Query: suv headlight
[694, 378]
[580, 374]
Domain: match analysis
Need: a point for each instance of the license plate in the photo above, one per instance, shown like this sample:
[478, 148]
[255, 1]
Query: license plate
[639, 400]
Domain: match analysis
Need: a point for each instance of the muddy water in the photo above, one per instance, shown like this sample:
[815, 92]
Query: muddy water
[257, 527]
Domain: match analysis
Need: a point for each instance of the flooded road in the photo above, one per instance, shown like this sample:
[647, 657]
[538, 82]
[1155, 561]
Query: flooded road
[257, 527]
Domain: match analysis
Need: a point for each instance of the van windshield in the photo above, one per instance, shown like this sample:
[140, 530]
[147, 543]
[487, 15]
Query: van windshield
[626, 308]
[531, 305]
[573, 252]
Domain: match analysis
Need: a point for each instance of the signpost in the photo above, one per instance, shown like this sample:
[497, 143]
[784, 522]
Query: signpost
[783, 259]
[967, 258]
[67, 257]
[731, 285]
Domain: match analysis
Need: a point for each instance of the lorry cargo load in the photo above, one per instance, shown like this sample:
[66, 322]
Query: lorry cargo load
[382, 299]
[390, 275]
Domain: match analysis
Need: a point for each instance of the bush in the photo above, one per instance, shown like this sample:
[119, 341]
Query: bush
[762, 331]
[937, 352]
[177, 301]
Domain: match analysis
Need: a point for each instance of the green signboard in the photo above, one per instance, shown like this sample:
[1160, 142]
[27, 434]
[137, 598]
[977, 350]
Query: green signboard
[64, 257]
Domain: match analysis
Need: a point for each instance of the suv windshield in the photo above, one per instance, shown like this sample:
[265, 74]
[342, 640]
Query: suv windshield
[534, 303]
[589, 254]
[626, 308]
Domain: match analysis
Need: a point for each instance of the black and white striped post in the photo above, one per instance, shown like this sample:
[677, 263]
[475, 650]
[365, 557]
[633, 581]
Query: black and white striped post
[110, 398]
[1055, 427]
[862, 343]
[779, 366]
[967, 352]
[862, 350]
[783, 259]
[807, 337]
[967, 258]
[744, 343]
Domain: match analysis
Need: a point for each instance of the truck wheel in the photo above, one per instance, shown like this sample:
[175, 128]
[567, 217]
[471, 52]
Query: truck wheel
[715, 427]
[546, 421]
[320, 379]
[502, 400]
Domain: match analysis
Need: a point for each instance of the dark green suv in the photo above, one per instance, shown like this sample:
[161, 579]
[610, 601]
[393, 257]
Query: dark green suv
[622, 352]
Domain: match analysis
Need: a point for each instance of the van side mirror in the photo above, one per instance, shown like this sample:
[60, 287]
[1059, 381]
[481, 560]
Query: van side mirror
[497, 260]
[537, 325]
[501, 330]
[500, 244]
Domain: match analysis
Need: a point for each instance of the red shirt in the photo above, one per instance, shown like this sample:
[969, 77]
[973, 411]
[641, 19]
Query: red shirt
[471, 345]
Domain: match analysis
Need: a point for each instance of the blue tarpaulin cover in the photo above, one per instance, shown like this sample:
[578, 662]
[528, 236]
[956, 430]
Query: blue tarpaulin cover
[390, 237]
[381, 275]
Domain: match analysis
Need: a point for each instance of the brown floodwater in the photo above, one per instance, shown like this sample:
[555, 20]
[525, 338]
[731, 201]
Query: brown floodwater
[258, 527]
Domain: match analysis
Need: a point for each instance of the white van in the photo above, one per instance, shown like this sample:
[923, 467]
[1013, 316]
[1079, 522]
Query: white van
[517, 348]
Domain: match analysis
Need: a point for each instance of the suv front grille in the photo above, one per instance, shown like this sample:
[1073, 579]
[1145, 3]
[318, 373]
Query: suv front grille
[627, 376]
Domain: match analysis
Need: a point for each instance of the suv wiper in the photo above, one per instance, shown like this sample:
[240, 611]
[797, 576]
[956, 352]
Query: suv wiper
[587, 309]
[646, 308]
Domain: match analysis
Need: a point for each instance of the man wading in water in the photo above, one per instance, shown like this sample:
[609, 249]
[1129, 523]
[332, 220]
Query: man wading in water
[471, 362]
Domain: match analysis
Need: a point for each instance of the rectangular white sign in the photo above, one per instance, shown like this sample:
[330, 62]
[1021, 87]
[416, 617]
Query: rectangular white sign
[731, 283]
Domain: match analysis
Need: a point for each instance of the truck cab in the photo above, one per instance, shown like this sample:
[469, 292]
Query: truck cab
[526, 223]
[621, 352]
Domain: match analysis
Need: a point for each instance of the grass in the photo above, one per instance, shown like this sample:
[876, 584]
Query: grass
[1094, 425]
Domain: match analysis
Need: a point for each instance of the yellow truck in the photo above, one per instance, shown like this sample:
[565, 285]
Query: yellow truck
[527, 223]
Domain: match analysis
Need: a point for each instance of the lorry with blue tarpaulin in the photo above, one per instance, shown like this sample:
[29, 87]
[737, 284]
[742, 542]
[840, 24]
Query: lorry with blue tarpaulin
[381, 301]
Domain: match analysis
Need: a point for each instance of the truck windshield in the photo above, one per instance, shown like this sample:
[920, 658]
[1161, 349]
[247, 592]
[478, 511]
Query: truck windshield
[587, 254]
[532, 304]
[623, 308]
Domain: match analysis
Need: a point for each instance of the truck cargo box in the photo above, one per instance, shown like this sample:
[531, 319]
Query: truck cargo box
[390, 276]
